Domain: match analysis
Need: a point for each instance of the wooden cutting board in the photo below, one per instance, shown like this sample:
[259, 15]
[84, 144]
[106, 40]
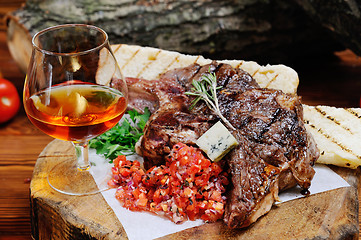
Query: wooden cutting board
[327, 215]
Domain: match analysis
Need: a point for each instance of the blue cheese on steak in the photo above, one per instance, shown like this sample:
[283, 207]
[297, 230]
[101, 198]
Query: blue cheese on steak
[216, 141]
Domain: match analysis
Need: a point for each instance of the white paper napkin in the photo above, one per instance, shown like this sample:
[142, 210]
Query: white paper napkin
[144, 225]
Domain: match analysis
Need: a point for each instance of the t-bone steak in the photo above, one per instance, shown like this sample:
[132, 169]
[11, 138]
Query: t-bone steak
[274, 153]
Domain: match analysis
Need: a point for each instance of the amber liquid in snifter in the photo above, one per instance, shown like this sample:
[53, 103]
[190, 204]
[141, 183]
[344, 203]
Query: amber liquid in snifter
[76, 112]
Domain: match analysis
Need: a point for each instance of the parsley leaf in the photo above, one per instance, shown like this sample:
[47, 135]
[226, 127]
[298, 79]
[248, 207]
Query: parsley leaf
[121, 139]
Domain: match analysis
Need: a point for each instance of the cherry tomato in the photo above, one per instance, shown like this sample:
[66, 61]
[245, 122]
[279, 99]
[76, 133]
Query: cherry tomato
[9, 100]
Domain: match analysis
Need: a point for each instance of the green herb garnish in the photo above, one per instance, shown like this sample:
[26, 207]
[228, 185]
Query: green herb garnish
[121, 139]
[206, 90]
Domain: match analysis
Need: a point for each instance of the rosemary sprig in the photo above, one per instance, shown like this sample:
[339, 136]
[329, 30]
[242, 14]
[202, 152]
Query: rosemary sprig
[206, 90]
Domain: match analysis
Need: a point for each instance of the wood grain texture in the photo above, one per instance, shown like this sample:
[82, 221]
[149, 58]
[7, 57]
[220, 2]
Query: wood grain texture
[19, 148]
[319, 216]
[58, 216]
[20, 145]
[7, 6]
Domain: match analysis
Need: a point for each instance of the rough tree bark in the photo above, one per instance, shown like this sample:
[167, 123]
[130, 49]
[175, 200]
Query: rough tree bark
[341, 18]
[267, 31]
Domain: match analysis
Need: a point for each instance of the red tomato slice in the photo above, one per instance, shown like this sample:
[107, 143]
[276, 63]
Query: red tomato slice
[9, 100]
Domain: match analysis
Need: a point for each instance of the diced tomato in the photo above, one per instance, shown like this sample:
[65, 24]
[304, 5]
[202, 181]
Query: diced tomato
[120, 158]
[194, 169]
[142, 200]
[158, 197]
[204, 164]
[124, 172]
[201, 180]
[137, 176]
[173, 168]
[136, 193]
[216, 169]
[184, 160]
[183, 151]
[150, 193]
[113, 183]
[136, 163]
[216, 196]
[114, 170]
[205, 195]
[189, 186]
[192, 215]
[187, 192]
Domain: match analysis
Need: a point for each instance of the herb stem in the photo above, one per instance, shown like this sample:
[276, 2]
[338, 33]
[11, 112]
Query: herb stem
[206, 90]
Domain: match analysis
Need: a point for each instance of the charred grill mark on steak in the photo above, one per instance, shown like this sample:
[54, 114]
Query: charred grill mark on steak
[273, 130]
[275, 151]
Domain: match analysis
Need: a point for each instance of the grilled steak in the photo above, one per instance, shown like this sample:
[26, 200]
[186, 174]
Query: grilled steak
[275, 151]
[171, 122]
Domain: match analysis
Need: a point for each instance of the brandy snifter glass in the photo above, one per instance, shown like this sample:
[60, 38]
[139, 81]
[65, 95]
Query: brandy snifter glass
[68, 94]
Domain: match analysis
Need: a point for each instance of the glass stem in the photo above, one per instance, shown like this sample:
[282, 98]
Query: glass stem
[82, 154]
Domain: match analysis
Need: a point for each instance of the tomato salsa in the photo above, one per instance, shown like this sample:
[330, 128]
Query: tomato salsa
[189, 186]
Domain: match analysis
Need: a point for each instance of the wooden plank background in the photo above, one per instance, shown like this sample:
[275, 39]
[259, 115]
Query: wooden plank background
[7, 6]
[20, 144]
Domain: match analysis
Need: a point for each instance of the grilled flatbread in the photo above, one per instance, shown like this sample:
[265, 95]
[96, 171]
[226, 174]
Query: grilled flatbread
[150, 63]
[337, 132]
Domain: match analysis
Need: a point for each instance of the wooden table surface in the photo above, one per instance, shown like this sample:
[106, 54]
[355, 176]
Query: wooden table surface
[334, 80]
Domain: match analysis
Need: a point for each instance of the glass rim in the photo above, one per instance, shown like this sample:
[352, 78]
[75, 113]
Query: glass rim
[35, 46]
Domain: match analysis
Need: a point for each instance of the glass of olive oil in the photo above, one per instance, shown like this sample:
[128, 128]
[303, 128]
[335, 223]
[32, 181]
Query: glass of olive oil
[74, 91]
